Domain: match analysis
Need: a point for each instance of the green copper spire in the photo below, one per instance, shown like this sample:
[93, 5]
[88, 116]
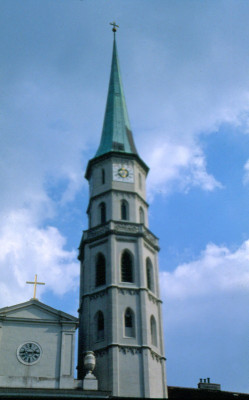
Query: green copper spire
[116, 133]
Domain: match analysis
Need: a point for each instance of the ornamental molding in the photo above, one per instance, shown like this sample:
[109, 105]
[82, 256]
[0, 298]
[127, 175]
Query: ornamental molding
[128, 291]
[126, 349]
[150, 237]
[127, 228]
[114, 155]
[130, 349]
[156, 356]
[92, 233]
[124, 291]
[153, 298]
[101, 352]
[95, 296]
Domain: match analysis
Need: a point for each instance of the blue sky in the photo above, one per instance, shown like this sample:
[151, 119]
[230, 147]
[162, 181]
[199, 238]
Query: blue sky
[185, 70]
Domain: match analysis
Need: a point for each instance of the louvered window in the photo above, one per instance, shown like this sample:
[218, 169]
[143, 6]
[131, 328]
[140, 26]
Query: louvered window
[100, 270]
[126, 267]
[102, 211]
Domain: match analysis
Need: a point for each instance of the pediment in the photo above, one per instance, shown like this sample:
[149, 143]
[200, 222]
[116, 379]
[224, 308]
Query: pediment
[35, 310]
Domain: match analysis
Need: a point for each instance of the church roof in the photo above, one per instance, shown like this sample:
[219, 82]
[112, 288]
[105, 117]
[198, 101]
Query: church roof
[116, 133]
[35, 310]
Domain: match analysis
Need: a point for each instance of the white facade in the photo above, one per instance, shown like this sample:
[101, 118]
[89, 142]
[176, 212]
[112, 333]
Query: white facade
[36, 347]
[120, 310]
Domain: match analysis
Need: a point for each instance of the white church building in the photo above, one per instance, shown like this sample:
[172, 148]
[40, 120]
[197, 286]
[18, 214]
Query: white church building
[120, 341]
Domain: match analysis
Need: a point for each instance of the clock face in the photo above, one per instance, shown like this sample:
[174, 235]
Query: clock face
[29, 353]
[123, 173]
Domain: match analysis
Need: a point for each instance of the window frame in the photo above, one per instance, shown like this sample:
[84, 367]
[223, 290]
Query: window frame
[100, 270]
[102, 176]
[124, 210]
[127, 270]
[99, 321]
[102, 213]
[149, 274]
[141, 215]
[129, 323]
[153, 331]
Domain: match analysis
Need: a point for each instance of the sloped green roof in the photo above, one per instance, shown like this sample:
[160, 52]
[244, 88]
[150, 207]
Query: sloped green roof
[116, 133]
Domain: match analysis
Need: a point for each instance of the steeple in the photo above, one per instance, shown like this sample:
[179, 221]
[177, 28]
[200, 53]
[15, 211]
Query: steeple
[120, 306]
[116, 133]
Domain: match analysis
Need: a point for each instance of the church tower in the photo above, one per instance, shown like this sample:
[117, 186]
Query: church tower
[120, 306]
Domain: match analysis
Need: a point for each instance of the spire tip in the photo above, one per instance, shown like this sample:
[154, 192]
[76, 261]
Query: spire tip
[115, 26]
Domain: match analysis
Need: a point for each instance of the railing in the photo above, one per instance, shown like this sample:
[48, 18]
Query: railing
[121, 227]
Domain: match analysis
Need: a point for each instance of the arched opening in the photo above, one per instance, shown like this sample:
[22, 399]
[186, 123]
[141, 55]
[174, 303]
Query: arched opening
[124, 210]
[102, 212]
[141, 215]
[149, 274]
[126, 267]
[103, 176]
[129, 323]
[99, 325]
[153, 331]
[100, 270]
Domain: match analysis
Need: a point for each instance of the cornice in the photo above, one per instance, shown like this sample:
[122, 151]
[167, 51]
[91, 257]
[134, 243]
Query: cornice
[126, 348]
[117, 228]
[124, 289]
[117, 154]
[5, 318]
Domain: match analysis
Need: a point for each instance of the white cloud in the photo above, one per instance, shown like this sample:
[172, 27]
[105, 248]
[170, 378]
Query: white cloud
[178, 167]
[217, 270]
[246, 173]
[181, 83]
[206, 318]
[26, 250]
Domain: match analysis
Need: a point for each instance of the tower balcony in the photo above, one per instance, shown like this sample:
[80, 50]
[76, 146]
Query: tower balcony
[120, 228]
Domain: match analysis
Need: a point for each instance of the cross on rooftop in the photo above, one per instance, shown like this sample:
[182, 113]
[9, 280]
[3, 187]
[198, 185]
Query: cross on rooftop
[35, 283]
[114, 26]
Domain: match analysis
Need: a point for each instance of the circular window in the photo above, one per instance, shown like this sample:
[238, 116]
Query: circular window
[29, 353]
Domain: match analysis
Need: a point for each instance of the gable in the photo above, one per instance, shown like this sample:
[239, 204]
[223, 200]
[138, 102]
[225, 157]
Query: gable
[35, 310]
[32, 312]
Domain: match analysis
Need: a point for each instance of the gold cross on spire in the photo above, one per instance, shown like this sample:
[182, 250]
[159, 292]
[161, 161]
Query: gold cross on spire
[35, 283]
[114, 30]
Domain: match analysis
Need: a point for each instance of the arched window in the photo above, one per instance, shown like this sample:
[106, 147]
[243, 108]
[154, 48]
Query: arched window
[140, 181]
[141, 215]
[124, 210]
[103, 176]
[102, 211]
[126, 267]
[129, 323]
[149, 274]
[99, 325]
[100, 270]
[153, 331]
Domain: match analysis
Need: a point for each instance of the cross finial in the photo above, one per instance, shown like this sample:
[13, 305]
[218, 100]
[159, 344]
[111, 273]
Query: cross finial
[35, 283]
[114, 25]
